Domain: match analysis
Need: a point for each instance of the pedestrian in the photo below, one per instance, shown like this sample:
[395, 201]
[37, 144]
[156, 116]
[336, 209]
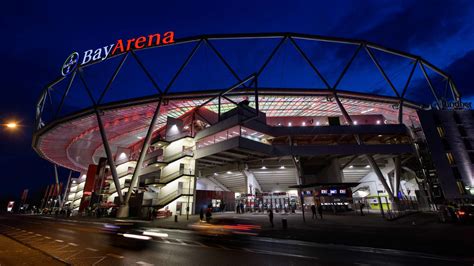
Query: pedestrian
[201, 214]
[208, 215]
[320, 210]
[270, 216]
[362, 205]
[313, 210]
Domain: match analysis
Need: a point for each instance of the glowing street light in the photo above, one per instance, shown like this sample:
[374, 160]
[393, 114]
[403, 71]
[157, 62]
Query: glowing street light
[11, 125]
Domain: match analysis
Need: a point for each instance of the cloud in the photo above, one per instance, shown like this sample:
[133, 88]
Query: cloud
[461, 70]
[419, 23]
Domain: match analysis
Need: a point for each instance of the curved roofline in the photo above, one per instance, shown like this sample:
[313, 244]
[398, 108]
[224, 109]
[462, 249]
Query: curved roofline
[293, 35]
[212, 93]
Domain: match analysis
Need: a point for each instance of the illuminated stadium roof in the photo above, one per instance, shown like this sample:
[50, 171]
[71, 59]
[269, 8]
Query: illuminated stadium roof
[67, 129]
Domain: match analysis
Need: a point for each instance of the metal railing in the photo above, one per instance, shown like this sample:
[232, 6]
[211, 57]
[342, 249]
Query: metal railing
[175, 175]
[168, 198]
[169, 159]
[174, 157]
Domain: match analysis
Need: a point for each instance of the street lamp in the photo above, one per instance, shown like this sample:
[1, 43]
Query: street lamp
[11, 125]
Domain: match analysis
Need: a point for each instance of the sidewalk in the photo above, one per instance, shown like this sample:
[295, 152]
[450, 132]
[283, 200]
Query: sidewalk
[15, 253]
[418, 232]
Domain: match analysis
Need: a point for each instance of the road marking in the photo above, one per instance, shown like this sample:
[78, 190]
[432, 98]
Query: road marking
[59, 240]
[38, 240]
[279, 253]
[166, 241]
[144, 263]
[73, 244]
[47, 237]
[91, 249]
[181, 242]
[223, 247]
[30, 232]
[200, 244]
[97, 262]
[63, 247]
[115, 256]
[19, 234]
[75, 254]
[37, 234]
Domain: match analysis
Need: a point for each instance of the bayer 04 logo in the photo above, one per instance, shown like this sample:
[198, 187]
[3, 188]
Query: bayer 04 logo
[70, 64]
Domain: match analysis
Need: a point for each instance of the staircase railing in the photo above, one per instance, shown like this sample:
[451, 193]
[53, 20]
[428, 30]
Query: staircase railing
[187, 152]
[175, 175]
[162, 201]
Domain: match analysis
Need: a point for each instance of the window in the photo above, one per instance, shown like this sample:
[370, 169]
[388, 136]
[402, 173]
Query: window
[461, 187]
[441, 132]
[450, 158]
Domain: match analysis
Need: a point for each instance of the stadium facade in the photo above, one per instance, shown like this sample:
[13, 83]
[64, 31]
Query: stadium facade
[257, 146]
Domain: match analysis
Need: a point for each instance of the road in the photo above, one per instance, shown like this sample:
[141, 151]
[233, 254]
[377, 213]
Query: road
[84, 243]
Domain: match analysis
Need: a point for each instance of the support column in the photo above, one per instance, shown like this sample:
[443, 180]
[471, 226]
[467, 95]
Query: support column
[194, 189]
[398, 170]
[123, 211]
[251, 180]
[298, 171]
[110, 158]
[66, 190]
[379, 174]
[103, 135]
[56, 176]
[369, 157]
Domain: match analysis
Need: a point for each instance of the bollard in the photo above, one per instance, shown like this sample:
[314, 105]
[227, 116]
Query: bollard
[284, 223]
[175, 218]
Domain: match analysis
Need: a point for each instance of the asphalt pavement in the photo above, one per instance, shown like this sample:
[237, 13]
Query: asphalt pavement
[85, 243]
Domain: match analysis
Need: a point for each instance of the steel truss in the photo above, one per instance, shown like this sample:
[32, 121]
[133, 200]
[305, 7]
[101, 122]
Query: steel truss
[362, 46]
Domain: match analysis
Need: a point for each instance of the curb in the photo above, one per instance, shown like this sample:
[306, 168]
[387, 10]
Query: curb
[402, 216]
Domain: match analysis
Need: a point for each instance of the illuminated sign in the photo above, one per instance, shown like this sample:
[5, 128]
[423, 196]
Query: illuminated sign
[324, 191]
[342, 191]
[119, 47]
[455, 105]
[333, 191]
[70, 64]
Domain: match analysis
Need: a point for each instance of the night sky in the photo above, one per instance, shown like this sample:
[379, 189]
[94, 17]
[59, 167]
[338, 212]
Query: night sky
[38, 36]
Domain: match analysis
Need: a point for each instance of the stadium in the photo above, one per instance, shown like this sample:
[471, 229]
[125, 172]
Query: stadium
[251, 121]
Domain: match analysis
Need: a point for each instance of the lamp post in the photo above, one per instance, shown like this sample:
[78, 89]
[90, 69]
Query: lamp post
[189, 193]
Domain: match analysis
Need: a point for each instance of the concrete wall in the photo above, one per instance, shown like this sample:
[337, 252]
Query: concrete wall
[251, 181]
[321, 171]
[207, 184]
